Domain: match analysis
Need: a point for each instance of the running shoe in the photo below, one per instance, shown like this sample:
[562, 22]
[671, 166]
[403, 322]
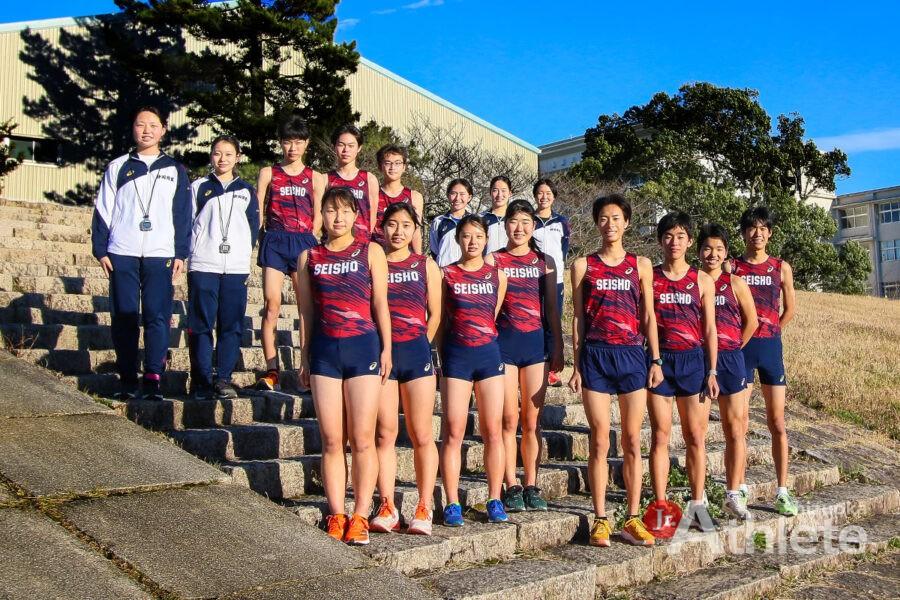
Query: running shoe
[127, 391]
[600, 532]
[225, 390]
[421, 523]
[786, 505]
[267, 382]
[513, 500]
[635, 533]
[736, 506]
[702, 521]
[387, 519]
[533, 500]
[553, 379]
[357, 531]
[453, 515]
[150, 389]
[336, 526]
[495, 512]
[202, 392]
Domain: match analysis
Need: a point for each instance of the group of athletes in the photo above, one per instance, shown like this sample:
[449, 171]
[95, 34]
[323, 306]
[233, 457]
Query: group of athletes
[489, 298]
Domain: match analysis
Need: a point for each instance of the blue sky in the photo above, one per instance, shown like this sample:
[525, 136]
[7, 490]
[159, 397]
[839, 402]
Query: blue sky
[544, 71]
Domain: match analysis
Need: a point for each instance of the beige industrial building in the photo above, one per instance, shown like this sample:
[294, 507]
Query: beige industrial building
[376, 94]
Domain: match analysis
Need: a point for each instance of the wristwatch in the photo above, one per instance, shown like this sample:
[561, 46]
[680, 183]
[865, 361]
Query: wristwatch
[712, 372]
[657, 361]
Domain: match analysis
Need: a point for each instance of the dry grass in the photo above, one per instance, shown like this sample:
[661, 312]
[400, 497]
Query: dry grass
[842, 355]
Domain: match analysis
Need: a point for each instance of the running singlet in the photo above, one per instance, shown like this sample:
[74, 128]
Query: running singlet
[677, 306]
[471, 301]
[764, 280]
[384, 201]
[359, 187]
[407, 298]
[342, 290]
[728, 315]
[290, 205]
[612, 296]
[521, 309]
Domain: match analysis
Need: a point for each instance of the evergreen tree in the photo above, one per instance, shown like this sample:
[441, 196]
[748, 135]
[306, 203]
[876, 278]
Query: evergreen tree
[8, 161]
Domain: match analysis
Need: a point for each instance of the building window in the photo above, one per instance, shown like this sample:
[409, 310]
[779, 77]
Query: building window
[890, 212]
[35, 150]
[891, 290]
[854, 216]
[890, 250]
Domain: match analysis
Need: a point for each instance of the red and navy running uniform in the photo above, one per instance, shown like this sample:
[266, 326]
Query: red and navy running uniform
[764, 350]
[359, 187]
[288, 218]
[612, 357]
[732, 375]
[677, 307]
[345, 343]
[405, 196]
[521, 331]
[407, 299]
[471, 351]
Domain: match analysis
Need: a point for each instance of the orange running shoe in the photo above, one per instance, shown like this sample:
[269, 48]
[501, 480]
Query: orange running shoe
[267, 382]
[388, 518]
[336, 526]
[553, 379]
[421, 523]
[358, 531]
[635, 533]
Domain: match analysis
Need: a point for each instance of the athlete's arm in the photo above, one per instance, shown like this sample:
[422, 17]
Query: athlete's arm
[788, 297]
[305, 308]
[262, 190]
[320, 184]
[552, 311]
[373, 200]
[379, 273]
[648, 319]
[708, 321]
[501, 291]
[418, 204]
[749, 320]
[434, 285]
[579, 267]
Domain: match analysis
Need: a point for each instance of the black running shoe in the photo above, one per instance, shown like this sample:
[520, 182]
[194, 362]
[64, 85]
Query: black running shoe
[127, 391]
[151, 390]
[225, 390]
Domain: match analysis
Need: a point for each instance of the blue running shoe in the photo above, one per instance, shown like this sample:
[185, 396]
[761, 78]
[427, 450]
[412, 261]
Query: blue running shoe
[453, 515]
[496, 512]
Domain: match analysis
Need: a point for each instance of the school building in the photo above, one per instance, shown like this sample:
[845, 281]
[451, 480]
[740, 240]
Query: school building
[376, 94]
[872, 218]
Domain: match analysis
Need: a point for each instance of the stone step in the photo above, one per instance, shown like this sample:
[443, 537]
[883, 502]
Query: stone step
[35, 233]
[517, 579]
[760, 573]
[45, 246]
[13, 254]
[175, 384]
[18, 226]
[622, 566]
[249, 442]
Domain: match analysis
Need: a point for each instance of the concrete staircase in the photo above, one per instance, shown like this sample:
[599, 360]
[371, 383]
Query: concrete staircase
[54, 311]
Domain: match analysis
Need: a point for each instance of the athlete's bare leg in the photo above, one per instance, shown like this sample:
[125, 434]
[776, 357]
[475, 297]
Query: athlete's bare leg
[361, 406]
[272, 283]
[455, 397]
[632, 408]
[418, 409]
[328, 399]
[731, 412]
[510, 423]
[386, 438]
[694, 417]
[596, 408]
[775, 401]
[533, 383]
[659, 409]
[489, 400]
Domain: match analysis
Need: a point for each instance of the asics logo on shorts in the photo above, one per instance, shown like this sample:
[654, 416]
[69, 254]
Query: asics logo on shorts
[427, 367]
[500, 368]
[372, 366]
[744, 381]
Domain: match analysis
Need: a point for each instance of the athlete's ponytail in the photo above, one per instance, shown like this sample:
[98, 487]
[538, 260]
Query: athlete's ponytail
[523, 206]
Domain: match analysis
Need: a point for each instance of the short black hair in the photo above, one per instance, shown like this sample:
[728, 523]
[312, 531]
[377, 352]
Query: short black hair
[502, 178]
[150, 109]
[293, 127]
[463, 182]
[352, 130]
[607, 199]
[399, 207]
[712, 230]
[671, 221]
[544, 181]
[472, 219]
[340, 196]
[390, 149]
[754, 215]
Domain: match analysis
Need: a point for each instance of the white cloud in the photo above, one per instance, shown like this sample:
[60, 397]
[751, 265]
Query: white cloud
[384, 11]
[865, 141]
[423, 4]
[344, 24]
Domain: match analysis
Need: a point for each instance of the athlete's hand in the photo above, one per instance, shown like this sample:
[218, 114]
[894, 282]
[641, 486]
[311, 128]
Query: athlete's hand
[107, 265]
[575, 382]
[385, 365]
[304, 375]
[556, 361]
[654, 376]
[712, 387]
[177, 268]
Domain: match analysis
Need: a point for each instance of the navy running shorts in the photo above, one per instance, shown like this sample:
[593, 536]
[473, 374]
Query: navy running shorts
[345, 358]
[411, 360]
[732, 375]
[279, 250]
[520, 348]
[684, 373]
[766, 356]
[472, 363]
[612, 369]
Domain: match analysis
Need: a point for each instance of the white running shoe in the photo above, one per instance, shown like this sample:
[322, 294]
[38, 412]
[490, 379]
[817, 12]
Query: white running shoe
[736, 506]
[421, 523]
[387, 520]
